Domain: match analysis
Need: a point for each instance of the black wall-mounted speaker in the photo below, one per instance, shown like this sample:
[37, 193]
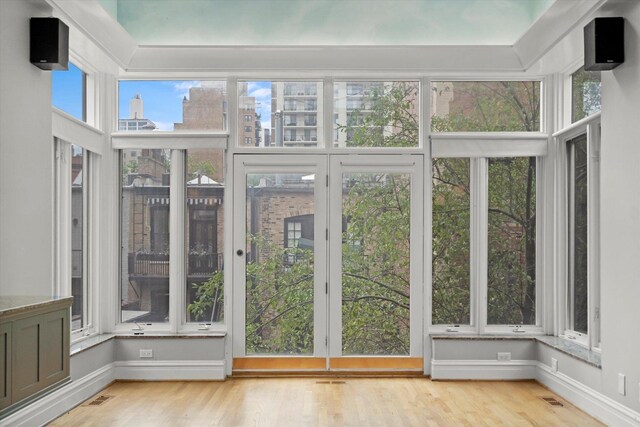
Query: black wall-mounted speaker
[603, 44]
[49, 43]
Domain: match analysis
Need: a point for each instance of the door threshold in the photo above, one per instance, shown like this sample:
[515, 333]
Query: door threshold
[328, 374]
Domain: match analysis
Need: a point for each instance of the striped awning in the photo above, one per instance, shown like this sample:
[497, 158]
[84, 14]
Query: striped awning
[208, 201]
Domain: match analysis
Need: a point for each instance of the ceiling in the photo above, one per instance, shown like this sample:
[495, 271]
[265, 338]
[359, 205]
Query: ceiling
[325, 22]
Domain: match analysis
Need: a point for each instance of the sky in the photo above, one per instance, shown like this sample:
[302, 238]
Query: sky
[66, 90]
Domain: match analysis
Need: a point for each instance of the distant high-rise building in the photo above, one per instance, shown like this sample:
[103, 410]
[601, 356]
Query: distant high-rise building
[299, 104]
[136, 121]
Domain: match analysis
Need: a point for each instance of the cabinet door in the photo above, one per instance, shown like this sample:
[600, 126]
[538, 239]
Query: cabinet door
[5, 365]
[54, 347]
[26, 378]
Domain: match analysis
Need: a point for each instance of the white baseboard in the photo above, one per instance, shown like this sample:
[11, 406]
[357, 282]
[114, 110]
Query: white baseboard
[483, 370]
[61, 400]
[158, 370]
[587, 399]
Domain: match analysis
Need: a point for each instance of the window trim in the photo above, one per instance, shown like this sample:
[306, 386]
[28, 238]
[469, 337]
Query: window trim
[589, 126]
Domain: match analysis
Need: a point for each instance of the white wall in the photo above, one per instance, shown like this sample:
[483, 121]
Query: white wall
[620, 215]
[26, 158]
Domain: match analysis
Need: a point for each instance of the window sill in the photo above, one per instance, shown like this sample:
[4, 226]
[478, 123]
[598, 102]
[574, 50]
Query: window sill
[97, 339]
[560, 344]
[572, 349]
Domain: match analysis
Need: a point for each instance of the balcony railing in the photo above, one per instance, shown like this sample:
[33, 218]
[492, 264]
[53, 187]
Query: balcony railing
[157, 265]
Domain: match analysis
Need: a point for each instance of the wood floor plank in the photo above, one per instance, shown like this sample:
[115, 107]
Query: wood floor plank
[326, 402]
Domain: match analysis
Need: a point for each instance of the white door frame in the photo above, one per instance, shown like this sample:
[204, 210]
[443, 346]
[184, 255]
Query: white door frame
[274, 164]
[403, 163]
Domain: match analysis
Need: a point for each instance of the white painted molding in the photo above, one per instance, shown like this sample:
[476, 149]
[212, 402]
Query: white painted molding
[587, 399]
[552, 26]
[483, 370]
[184, 140]
[462, 146]
[74, 131]
[61, 400]
[158, 370]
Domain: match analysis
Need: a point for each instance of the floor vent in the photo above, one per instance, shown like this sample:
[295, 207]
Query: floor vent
[552, 401]
[99, 400]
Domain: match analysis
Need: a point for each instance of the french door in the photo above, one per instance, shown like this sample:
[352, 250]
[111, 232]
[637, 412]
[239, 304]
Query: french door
[327, 262]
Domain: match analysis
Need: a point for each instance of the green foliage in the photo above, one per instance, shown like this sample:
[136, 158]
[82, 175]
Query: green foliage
[204, 167]
[279, 302]
[208, 294]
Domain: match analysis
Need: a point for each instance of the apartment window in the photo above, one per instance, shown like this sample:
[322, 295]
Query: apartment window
[247, 118]
[279, 104]
[488, 106]
[172, 105]
[145, 214]
[68, 91]
[247, 140]
[585, 94]
[376, 114]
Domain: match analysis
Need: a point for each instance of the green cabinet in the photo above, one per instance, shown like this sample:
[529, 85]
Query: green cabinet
[34, 352]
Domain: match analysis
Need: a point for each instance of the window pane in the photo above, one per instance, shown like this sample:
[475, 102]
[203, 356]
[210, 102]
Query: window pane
[376, 263]
[205, 238]
[77, 238]
[512, 241]
[376, 114]
[284, 114]
[279, 272]
[585, 94]
[505, 106]
[145, 235]
[172, 105]
[451, 242]
[68, 91]
[578, 248]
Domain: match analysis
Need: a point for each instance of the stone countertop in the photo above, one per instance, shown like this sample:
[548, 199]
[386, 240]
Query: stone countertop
[572, 349]
[14, 304]
[482, 337]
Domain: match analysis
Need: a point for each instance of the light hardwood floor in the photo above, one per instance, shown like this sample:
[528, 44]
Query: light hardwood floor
[326, 402]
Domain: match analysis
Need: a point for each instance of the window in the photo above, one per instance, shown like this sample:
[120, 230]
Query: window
[451, 245]
[73, 184]
[144, 287]
[511, 263]
[78, 238]
[362, 116]
[172, 105]
[579, 294]
[585, 94]
[68, 91]
[298, 235]
[484, 242]
[578, 235]
[491, 106]
[247, 140]
[247, 118]
[282, 104]
[205, 237]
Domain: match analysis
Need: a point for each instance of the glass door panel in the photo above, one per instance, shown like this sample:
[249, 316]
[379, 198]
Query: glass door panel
[280, 259]
[376, 268]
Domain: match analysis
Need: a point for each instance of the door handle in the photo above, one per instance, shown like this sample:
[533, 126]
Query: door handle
[240, 252]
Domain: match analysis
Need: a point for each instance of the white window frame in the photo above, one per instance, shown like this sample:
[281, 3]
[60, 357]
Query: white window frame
[63, 241]
[178, 143]
[589, 126]
[478, 147]
[68, 130]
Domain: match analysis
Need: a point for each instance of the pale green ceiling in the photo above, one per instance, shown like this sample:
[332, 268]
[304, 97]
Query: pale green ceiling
[326, 22]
